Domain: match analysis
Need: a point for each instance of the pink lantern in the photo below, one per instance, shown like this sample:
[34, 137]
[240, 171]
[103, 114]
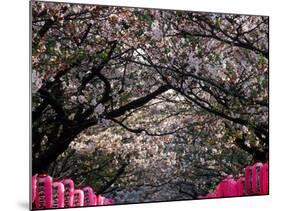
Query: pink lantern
[89, 197]
[256, 178]
[248, 180]
[211, 195]
[78, 198]
[68, 192]
[100, 200]
[230, 187]
[108, 201]
[264, 179]
[254, 182]
[33, 193]
[58, 195]
[43, 197]
[220, 189]
[241, 186]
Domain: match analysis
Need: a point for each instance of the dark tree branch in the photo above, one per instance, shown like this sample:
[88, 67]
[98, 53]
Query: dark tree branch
[106, 97]
[234, 41]
[98, 68]
[48, 156]
[50, 99]
[137, 103]
[48, 24]
[209, 109]
[85, 34]
[39, 110]
[61, 143]
[139, 130]
[120, 171]
[255, 152]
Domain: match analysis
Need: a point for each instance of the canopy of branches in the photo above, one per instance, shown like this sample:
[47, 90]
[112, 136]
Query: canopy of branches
[147, 104]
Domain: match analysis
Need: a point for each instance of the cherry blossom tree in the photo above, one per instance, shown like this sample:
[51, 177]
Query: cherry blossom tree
[127, 94]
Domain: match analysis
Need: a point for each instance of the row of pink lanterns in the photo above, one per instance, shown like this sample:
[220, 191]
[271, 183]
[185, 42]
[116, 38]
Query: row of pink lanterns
[255, 182]
[47, 193]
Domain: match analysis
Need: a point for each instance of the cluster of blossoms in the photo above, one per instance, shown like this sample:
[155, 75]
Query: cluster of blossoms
[162, 164]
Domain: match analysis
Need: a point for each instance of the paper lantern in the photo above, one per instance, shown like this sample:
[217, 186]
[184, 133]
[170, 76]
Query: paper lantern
[58, 195]
[43, 197]
[68, 192]
[78, 198]
[89, 196]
